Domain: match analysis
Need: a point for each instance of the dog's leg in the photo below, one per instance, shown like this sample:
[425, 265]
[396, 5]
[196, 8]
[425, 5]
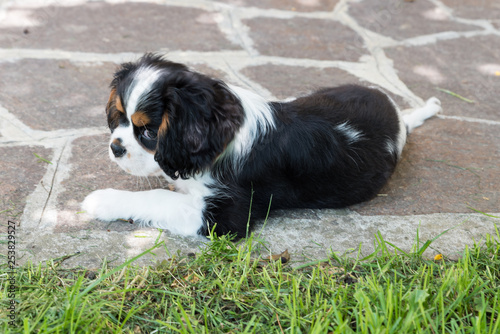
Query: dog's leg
[417, 116]
[179, 213]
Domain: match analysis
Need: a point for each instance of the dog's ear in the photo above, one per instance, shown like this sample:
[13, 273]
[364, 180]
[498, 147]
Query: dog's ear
[200, 119]
[114, 110]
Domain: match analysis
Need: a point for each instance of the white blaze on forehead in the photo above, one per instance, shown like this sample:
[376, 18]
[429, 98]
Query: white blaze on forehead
[144, 78]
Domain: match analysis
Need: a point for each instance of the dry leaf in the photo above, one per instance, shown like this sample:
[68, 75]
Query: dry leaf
[284, 257]
[191, 278]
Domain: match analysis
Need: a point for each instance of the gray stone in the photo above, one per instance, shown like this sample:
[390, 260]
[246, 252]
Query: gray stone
[447, 166]
[121, 27]
[294, 5]
[21, 171]
[474, 74]
[475, 9]
[305, 38]
[402, 19]
[295, 81]
[56, 94]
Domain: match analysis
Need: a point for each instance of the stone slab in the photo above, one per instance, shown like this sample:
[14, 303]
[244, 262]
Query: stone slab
[56, 94]
[97, 247]
[305, 38]
[475, 9]
[208, 71]
[20, 172]
[448, 166]
[120, 27]
[474, 74]
[403, 19]
[295, 81]
[353, 235]
[307, 237]
[293, 5]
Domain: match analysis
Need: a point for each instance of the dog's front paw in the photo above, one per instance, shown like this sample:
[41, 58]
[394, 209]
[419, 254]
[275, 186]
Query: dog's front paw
[105, 204]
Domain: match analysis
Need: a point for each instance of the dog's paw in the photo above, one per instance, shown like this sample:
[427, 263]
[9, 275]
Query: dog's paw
[105, 204]
[434, 106]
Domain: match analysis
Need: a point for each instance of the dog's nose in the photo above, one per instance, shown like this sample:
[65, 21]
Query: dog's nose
[117, 149]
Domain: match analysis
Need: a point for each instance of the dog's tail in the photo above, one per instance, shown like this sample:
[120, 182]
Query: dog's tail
[417, 116]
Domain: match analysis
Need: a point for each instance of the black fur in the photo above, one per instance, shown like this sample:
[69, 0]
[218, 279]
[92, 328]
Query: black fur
[306, 163]
[204, 118]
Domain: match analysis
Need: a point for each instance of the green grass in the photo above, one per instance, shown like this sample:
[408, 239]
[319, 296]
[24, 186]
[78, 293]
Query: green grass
[455, 95]
[226, 289]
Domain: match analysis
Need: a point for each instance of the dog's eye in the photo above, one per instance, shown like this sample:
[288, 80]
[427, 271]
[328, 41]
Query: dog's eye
[148, 134]
[146, 137]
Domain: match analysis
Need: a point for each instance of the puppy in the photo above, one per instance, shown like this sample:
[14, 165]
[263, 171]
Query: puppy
[231, 155]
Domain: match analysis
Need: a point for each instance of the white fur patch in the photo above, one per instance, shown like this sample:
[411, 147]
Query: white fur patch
[180, 212]
[419, 115]
[136, 161]
[258, 120]
[391, 146]
[349, 132]
[397, 147]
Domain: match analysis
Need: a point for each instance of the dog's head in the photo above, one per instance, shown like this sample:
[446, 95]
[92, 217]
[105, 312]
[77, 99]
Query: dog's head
[165, 117]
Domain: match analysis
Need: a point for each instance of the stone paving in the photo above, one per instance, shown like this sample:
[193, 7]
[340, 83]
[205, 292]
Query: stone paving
[57, 59]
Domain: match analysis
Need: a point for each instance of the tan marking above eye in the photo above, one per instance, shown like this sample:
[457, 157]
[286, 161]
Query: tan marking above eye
[140, 119]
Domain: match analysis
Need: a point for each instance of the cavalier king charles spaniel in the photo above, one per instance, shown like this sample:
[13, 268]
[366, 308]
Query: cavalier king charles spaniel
[231, 155]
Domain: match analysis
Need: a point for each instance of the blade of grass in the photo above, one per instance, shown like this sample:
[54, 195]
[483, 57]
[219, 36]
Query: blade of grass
[249, 213]
[267, 216]
[397, 248]
[486, 214]
[455, 95]
[42, 159]
[429, 242]
[159, 235]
